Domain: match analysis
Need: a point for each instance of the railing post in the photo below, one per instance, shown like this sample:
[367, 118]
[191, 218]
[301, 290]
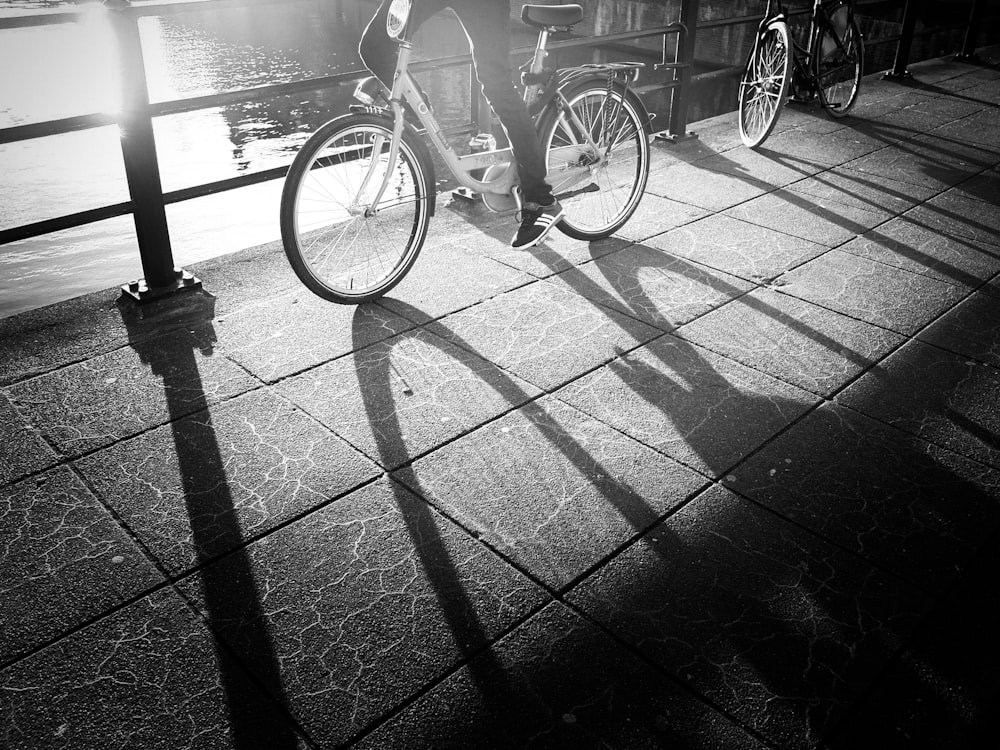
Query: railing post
[899, 70]
[141, 167]
[680, 95]
[968, 53]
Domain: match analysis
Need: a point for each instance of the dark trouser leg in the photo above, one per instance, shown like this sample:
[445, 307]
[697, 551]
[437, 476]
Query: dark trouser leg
[378, 51]
[488, 25]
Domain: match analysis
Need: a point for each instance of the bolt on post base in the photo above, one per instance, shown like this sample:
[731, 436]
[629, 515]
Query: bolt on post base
[139, 293]
[891, 75]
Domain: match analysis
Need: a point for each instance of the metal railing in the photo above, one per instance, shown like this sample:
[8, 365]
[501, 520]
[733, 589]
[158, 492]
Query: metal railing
[135, 120]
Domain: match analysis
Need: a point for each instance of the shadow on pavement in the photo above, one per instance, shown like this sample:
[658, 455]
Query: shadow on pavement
[214, 526]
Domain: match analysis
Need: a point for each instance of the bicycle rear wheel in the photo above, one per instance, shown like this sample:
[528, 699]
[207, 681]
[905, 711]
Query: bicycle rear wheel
[605, 195]
[838, 68]
[764, 84]
[338, 249]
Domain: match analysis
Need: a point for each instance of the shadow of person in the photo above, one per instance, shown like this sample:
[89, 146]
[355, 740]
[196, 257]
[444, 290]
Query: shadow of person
[213, 521]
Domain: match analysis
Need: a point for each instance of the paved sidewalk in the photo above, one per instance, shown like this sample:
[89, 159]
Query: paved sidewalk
[730, 479]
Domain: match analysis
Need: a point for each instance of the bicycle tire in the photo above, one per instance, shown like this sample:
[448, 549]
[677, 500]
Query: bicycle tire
[336, 250]
[764, 83]
[613, 190]
[838, 75]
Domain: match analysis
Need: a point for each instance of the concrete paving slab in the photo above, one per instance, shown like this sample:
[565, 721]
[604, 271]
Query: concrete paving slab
[987, 93]
[952, 107]
[853, 188]
[944, 398]
[822, 148]
[777, 626]
[712, 136]
[298, 330]
[407, 395]
[205, 484]
[553, 490]
[810, 117]
[68, 332]
[547, 259]
[656, 214]
[553, 674]
[25, 452]
[543, 333]
[650, 395]
[150, 675]
[887, 296]
[906, 505]
[65, 561]
[938, 168]
[803, 344]
[246, 278]
[971, 329]
[362, 603]
[984, 186]
[706, 188]
[449, 278]
[954, 215]
[922, 117]
[940, 693]
[954, 145]
[655, 287]
[90, 405]
[921, 249]
[883, 97]
[823, 221]
[763, 166]
[749, 251]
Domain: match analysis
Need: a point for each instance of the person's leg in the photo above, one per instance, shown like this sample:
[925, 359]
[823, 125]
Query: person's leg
[487, 23]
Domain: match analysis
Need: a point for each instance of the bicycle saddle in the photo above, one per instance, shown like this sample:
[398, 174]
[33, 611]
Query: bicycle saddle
[543, 16]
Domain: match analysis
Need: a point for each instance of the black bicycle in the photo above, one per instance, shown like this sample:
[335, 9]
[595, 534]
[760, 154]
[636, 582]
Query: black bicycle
[828, 67]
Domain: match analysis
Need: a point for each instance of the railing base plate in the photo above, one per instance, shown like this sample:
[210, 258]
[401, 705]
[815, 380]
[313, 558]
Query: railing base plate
[890, 75]
[139, 293]
[674, 137]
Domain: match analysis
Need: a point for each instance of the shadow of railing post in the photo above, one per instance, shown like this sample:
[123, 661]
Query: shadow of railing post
[229, 592]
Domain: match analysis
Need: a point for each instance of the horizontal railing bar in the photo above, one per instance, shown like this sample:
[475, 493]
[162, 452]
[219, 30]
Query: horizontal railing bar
[56, 127]
[47, 226]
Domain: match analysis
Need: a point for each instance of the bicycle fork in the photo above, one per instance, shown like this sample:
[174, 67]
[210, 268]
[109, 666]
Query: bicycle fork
[359, 208]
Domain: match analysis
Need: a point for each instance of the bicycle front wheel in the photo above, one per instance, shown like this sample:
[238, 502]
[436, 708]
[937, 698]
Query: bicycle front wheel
[764, 84]
[342, 247]
[839, 67]
[599, 190]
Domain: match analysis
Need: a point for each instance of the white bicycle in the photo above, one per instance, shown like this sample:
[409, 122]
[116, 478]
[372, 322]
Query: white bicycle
[359, 195]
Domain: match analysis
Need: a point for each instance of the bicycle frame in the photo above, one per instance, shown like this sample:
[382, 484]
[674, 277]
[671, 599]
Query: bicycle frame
[818, 22]
[405, 88]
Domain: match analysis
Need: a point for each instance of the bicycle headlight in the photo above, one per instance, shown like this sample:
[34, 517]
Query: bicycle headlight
[399, 14]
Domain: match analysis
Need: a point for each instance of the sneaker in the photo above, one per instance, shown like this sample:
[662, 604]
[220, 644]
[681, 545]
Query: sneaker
[536, 222]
